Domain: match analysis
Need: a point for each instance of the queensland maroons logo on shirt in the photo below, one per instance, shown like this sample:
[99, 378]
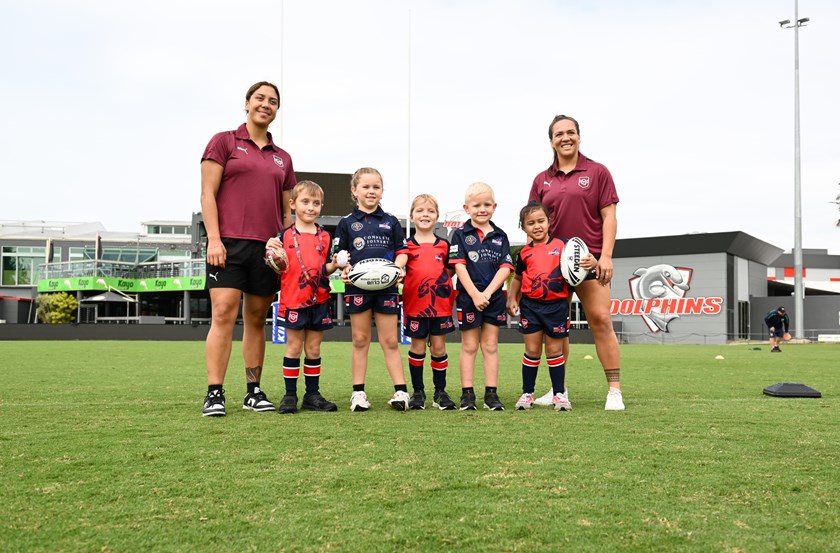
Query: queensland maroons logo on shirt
[278, 161]
[583, 182]
[293, 316]
[660, 295]
[414, 326]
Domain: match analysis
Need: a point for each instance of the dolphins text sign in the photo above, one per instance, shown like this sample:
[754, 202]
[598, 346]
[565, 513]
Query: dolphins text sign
[659, 296]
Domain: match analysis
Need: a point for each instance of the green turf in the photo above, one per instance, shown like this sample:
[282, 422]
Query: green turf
[102, 448]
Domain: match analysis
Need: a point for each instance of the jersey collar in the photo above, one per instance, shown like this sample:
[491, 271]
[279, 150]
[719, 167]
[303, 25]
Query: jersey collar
[581, 165]
[242, 134]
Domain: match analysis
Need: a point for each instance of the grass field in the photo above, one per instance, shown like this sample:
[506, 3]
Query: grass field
[102, 448]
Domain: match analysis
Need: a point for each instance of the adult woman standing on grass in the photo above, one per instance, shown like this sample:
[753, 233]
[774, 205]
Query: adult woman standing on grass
[582, 197]
[245, 191]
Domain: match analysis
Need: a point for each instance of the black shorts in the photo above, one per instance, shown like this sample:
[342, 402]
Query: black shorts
[778, 333]
[314, 317]
[423, 327]
[470, 317]
[550, 317]
[388, 304]
[244, 269]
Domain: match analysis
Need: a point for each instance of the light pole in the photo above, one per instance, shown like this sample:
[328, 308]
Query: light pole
[798, 288]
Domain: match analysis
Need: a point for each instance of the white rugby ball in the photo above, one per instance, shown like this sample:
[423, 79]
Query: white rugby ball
[574, 250]
[374, 274]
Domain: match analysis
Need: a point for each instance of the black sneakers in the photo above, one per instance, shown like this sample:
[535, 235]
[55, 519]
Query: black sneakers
[214, 404]
[317, 402]
[443, 401]
[288, 405]
[468, 401]
[491, 401]
[257, 401]
[418, 400]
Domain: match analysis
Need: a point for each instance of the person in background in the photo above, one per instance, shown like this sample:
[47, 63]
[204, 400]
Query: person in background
[778, 323]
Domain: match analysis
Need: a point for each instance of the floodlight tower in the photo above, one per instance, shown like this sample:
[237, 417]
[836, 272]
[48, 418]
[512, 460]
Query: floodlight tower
[798, 288]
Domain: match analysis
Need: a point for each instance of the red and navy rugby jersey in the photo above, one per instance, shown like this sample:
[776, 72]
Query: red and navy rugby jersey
[427, 289]
[367, 236]
[307, 285]
[482, 254]
[539, 267]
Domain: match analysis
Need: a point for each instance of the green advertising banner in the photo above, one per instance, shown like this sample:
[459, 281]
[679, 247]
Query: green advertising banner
[174, 284]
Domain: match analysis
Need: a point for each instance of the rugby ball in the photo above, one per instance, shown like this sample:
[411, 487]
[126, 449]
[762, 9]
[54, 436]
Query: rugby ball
[374, 274]
[277, 259]
[574, 250]
[342, 258]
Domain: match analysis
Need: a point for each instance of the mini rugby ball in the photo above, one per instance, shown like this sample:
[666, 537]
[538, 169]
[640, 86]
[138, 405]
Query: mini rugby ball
[277, 259]
[374, 274]
[342, 258]
[574, 250]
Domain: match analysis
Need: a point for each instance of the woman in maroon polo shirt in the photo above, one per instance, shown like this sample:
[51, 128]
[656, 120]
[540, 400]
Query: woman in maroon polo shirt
[245, 189]
[582, 198]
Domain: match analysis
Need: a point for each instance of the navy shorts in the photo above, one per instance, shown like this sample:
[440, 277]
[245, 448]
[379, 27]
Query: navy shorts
[550, 317]
[314, 317]
[244, 269]
[423, 327]
[778, 333]
[470, 317]
[387, 304]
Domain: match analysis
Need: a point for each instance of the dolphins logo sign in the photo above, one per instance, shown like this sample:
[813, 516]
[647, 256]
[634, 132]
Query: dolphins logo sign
[659, 296]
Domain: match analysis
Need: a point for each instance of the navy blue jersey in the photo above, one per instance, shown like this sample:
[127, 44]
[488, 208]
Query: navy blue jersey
[483, 255]
[367, 236]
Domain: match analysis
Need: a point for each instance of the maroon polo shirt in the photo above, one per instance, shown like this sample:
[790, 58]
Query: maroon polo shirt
[576, 199]
[250, 198]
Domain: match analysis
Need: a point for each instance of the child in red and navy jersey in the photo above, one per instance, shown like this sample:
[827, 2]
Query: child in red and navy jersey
[427, 303]
[539, 295]
[304, 308]
[369, 232]
[480, 253]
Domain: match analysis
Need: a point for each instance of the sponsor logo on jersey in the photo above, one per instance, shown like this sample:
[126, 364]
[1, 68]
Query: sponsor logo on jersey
[473, 256]
[240, 148]
[357, 226]
[659, 296]
[554, 252]
[470, 240]
[497, 241]
[358, 243]
[385, 226]
[583, 182]
[453, 249]
[278, 161]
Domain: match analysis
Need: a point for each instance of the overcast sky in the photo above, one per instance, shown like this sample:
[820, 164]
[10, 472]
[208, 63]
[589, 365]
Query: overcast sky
[107, 106]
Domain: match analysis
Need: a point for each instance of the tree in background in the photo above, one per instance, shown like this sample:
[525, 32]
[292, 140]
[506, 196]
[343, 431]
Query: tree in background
[58, 308]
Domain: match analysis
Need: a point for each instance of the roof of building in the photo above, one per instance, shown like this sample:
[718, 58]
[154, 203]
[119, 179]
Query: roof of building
[737, 243]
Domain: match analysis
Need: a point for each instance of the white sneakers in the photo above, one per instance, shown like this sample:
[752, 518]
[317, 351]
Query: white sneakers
[399, 401]
[526, 401]
[561, 401]
[359, 402]
[545, 400]
[614, 400]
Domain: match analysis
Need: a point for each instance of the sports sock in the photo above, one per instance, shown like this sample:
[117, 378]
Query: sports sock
[489, 390]
[214, 388]
[358, 387]
[291, 372]
[557, 372]
[439, 366]
[467, 390]
[400, 388]
[312, 374]
[252, 386]
[415, 368]
[530, 366]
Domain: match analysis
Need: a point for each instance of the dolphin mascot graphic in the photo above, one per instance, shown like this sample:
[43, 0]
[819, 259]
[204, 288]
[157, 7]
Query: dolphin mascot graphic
[659, 282]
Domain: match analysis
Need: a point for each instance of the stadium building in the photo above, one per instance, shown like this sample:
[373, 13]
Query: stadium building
[697, 288]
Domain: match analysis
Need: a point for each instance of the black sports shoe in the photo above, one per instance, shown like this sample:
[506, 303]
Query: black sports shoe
[214, 404]
[418, 400]
[443, 401]
[491, 401]
[317, 402]
[776, 350]
[288, 405]
[468, 401]
[257, 401]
